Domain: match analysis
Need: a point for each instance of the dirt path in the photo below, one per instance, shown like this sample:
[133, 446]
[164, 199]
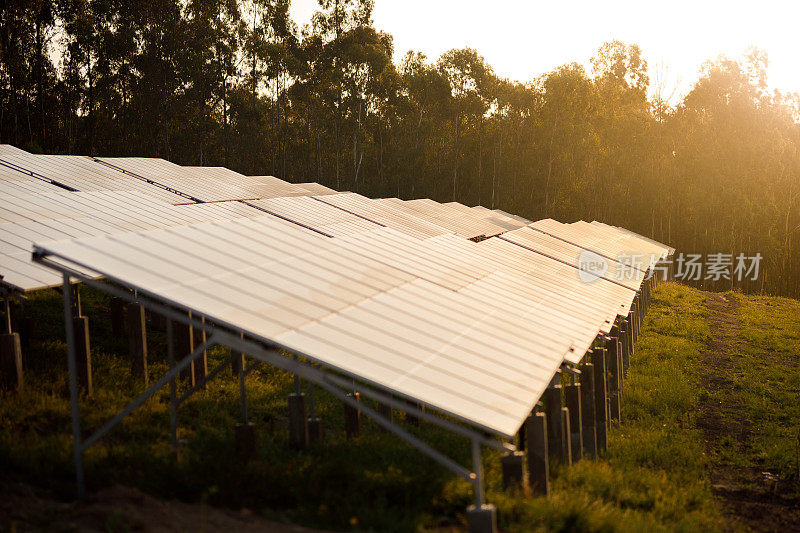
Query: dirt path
[750, 497]
[122, 509]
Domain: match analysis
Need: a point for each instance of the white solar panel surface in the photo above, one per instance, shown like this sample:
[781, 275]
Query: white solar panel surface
[643, 241]
[201, 183]
[497, 219]
[620, 248]
[26, 218]
[385, 214]
[574, 256]
[450, 218]
[310, 213]
[83, 174]
[359, 311]
[315, 189]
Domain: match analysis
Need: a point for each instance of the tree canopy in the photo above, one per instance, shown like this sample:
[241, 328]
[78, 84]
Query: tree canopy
[237, 83]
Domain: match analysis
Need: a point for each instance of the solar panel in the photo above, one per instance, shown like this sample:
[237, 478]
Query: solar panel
[518, 218]
[12, 181]
[452, 263]
[7, 149]
[319, 216]
[199, 183]
[385, 214]
[495, 217]
[358, 313]
[572, 255]
[82, 174]
[315, 189]
[450, 218]
[640, 239]
[622, 249]
[57, 215]
[272, 187]
[388, 291]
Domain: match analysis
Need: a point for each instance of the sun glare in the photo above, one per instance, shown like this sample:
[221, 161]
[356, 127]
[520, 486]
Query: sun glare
[524, 39]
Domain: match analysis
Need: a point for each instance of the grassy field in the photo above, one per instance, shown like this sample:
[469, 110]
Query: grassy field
[654, 476]
[760, 405]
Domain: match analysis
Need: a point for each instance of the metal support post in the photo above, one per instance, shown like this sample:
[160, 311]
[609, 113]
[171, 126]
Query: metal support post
[600, 398]
[173, 401]
[73, 388]
[587, 411]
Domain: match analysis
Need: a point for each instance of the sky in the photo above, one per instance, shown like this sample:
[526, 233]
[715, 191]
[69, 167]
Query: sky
[522, 39]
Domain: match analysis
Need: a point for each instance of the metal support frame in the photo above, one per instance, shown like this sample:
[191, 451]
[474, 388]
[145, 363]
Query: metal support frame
[337, 385]
[80, 445]
[208, 377]
[173, 400]
[73, 388]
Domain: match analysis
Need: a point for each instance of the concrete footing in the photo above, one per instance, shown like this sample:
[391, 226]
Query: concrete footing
[246, 441]
[555, 430]
[386, 412]
[566, 438]
[83, 353]
[588, 423]
[538, 457]
[410, 418]
[117, 312]
[614, 377]
[298, 428]
[137, 340]
[629, 337]
[573, 397]
[482, 519]
[10, 362]
[158, 321]
[315, 433]
[352, 417]
[513, 467]
[625, 340]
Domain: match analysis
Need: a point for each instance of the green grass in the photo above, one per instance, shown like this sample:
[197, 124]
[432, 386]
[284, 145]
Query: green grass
[766, 390]
[652, 478]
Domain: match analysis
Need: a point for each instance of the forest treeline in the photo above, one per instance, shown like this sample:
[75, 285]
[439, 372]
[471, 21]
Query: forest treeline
[237, 83]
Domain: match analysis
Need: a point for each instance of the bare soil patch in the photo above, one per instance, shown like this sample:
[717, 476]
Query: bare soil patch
[122, 509]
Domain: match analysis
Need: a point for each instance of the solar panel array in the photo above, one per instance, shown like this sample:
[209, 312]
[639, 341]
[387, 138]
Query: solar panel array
[79, 174]
[465, 309]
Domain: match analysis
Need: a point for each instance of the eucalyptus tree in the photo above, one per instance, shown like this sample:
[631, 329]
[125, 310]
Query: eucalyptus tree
[27, 74]
[471, 82]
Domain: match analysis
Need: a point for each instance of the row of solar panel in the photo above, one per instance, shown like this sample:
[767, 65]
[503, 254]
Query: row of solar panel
[391, 292]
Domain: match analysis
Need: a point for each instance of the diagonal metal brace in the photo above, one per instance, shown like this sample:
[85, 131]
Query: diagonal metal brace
[174, 371]
[211, 375]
